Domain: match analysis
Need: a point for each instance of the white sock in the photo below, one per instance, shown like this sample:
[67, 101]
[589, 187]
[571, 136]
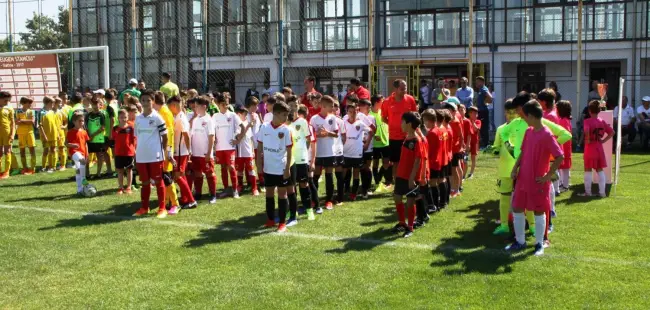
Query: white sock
[552, 197]
[78, 178]
[540, 228]
[588, 181]
[520, 226]
[601, 182]
[565, 174]
[82, 171]
[556, 185]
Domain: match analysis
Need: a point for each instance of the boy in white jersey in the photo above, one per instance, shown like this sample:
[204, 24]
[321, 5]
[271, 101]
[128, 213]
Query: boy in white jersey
[245, 153]
[366, 173]
[151, 150]
[355, 143]
[253, 117]
[304, 152]
[275, 147]
[339, 160]
[228, 131]
[268, 117]
[181, 151]
[202, 145]
[327, 132]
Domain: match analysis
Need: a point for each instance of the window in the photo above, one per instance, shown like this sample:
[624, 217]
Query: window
[548, 24]
[519, 24]
[168, 42]
[335, 34]
[115, 18]
[216, 41]
[312, 36]
[258, 39]
[116, 45]
[148, 16]
[258, 11]
[609, 21]
[235, 12]
[422, 30]
[396, 31]
[334, 8]
[148, 44]
[88, 20]
[196, 41]
[448, 29]
[235, 39]
[357, 33]
[571, 23]
[169, 17]
[312, 8]
[196, 13]
[480, 27]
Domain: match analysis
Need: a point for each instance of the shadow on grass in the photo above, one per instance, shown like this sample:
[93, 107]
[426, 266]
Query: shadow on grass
[388, 216]
[104, 192]
[476, 250]
[114, 214]
[40, 182]
[577, 189]
[367, 241]
[245, 227]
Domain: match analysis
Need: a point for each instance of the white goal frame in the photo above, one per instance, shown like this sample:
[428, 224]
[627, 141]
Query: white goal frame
[73, 50]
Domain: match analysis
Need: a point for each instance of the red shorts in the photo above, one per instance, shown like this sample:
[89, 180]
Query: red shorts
[150, 172]
[245, 164]
[181, 163]
[202, 165]
[566, 163]
[595, 163]
[473, 148]
[536, 202]
[225, 157]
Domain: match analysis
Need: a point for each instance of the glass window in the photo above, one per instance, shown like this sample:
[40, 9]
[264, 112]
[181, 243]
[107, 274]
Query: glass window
[629, 21]
[148, 43]
[422, 30]
[357, 33]
[235, 39]
[116, 45]
[548, 24]
[169, 17]
[397, 31]
[334, 8]
[88, 20]
[258, 39]
[499, 31]
[116, 18]
[409, 5]
[312, 8]
[257, 11]
[196, 41]
[292, 10]
[235, 12]
[148, 16]
[292, 36]
[480, 27]
[519, 3]
[114, 2]
[312, 36]
[610, 21]
[571, 23]
[216, 41]
[118, 76]
[335, 34]
[103, 19]
[357, 7]
[196, 13]
[448, 29]
[519, 25]
[169, 42]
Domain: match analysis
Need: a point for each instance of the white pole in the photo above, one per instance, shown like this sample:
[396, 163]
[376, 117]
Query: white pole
[107, 75]
[579, 60]
[619, 133]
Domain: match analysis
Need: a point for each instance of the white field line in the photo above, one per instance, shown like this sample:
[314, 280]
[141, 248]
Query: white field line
[419, 246]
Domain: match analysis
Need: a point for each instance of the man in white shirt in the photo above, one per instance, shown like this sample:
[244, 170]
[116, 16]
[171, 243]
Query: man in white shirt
[181, 151]
[228, 129]
[643, 115]
[627, 121]
[201, 147]
[151, 132]
[268, 90]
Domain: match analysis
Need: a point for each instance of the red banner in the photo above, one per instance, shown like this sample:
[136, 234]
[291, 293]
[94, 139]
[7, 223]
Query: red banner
[34, 76]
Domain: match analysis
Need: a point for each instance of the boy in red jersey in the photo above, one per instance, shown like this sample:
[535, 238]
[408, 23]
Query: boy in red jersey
[124, 137]
[457, 148]
[408, 174]
[533, 177]
[424, 199]
[472, 129]
[594, 158]
[432, 119]
[449, 135]
[77, 142]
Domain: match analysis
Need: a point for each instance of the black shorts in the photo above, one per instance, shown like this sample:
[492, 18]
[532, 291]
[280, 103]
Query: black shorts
[96, 147]
[124, 162]
[447, 170]
[275, 180]
[109, 143]
[456, 158]
[353, 162]
[436, 174]
[424, 190]
[339, 161]
[394, 150]
[167, 178]
[301, 172]
[325, 162]
[367, 156]
[402, 188]
[381, 152]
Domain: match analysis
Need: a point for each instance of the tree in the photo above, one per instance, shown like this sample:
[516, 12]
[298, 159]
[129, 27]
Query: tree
[4, 45]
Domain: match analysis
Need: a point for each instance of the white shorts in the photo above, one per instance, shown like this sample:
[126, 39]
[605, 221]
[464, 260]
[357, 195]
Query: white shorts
[77, 157]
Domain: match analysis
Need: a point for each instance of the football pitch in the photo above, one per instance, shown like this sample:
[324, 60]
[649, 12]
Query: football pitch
[58, 251]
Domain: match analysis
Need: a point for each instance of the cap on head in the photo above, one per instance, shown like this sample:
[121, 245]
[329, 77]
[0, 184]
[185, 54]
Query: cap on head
[100, 91]
[646, 98]
[133, 82]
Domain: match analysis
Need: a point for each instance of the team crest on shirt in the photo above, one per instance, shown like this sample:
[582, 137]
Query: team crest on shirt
[128, 130]
[331, 122]
[297, 127]
[151, 122]
[410, 144]
[358, 127]
[229, 119]
[280, 135]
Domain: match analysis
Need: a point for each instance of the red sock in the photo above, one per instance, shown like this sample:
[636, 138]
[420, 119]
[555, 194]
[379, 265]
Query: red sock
[186, 193]
[240, 182]
[212, 184]
[400, 213]
[252, 181]
[233, 178]
[224, 176]
[198, 182]
[160, 190]
[145, 193]
[548, 218]
[411, 216]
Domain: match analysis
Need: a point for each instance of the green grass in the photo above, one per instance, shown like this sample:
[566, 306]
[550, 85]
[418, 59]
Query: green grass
[217, 256]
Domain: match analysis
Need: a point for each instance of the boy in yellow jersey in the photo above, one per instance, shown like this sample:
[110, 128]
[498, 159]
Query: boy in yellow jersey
[49, 134]
[25, 119]
[169, 163]
[62, 125]
[7, 130]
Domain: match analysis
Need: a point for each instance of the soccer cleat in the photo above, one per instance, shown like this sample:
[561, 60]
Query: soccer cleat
[553, 214]
[213, 200]
[547, 243]
[516, 246]
[162, 213]
[353, 197]
[292, 222]
[602, 195]
[539, 249]
[501, 230]
[191, 205]
[338, 204]
[269, 223]
[319, 210]
[84, 182]
[584, 194]
[470, 176]
[418, 224]
[380, 188]
[310, 214]
[142, 211]
[263, 189]
[224, 194]
[282, 228]
[398, 228]
[235, 194]
[120, 191]
[365, 196]
[4, 175]
[128, 191]
[531, 230]
[408, 233]
[329, 205]
[256, 193]
[426, 218]
[50, 170]
[174, 210]
[460, 190]
[432, 209]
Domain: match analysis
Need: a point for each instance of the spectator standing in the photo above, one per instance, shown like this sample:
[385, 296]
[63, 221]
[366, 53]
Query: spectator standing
[627, 121]
[465, 93]
[425, 95]
[268, 89]
[643, 114]
[437, 96]
[132, 90]
[252, 92]
[483, 99]
[358, 89]
[553, 86]
[341, 93]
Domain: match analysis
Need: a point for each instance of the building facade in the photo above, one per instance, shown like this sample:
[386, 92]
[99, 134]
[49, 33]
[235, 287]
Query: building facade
[234, 44]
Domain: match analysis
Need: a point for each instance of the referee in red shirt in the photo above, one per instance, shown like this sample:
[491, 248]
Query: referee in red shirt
[391, 112]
